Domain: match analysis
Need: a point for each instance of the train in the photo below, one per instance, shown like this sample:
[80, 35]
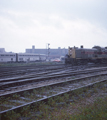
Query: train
[78, 56]
[22, 57]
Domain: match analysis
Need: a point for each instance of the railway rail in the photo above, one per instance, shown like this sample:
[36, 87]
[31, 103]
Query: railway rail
[15, 71]
[10, 83]
[17, 100]
[6, 72]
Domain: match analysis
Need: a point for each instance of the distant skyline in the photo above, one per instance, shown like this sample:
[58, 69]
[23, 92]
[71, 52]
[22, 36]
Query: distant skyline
[61, 23]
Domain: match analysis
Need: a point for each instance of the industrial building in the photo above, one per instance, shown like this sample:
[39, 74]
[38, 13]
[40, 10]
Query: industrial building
[52, 53]
[2, 50]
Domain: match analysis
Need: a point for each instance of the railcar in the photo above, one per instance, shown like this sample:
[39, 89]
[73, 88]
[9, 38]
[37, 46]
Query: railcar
[21, 57]
[27, 57]
[77, 56]
[7, 57]
[42, 57]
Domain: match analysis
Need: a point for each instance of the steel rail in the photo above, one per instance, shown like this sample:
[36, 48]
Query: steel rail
[31, 80]
[25, 71]
[48, 72]
[53, 84]
[46, 98]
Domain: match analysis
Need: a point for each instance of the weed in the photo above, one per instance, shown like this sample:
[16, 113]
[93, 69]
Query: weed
[11, 115]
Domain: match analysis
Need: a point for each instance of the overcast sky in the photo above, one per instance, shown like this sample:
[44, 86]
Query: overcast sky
[61, 23]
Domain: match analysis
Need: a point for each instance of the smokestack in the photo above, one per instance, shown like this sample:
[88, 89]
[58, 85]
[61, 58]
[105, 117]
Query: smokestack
[33, 49]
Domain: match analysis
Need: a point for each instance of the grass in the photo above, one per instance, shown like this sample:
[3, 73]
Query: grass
[70, 106]
[96, 111]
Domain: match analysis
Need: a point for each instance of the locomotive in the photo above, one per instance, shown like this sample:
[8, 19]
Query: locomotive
[78, 56]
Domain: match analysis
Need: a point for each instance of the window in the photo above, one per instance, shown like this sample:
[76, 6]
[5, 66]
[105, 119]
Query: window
[21, 59]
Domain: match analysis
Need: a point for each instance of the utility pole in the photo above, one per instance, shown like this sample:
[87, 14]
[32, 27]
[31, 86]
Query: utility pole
[48, 50]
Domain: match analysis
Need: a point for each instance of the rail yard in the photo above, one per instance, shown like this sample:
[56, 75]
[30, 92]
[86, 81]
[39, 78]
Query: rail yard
[24, 86]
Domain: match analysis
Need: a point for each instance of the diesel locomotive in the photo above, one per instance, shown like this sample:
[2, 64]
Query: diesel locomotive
[78, 56]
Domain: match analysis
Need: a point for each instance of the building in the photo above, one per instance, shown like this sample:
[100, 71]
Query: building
[2, 50]
[53, 53]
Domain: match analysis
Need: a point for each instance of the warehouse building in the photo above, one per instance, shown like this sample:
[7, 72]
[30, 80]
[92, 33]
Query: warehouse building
[53, 53]
[2, 50]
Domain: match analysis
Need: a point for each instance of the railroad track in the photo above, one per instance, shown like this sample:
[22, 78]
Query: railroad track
[11, 83]
[13, 71]
[18, 100]
[6, 72]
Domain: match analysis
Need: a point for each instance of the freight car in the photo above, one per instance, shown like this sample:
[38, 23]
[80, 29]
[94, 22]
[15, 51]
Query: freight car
[78, 56]
[21, 57]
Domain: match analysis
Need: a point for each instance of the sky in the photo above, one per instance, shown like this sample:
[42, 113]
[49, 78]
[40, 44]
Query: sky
[62, 23]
